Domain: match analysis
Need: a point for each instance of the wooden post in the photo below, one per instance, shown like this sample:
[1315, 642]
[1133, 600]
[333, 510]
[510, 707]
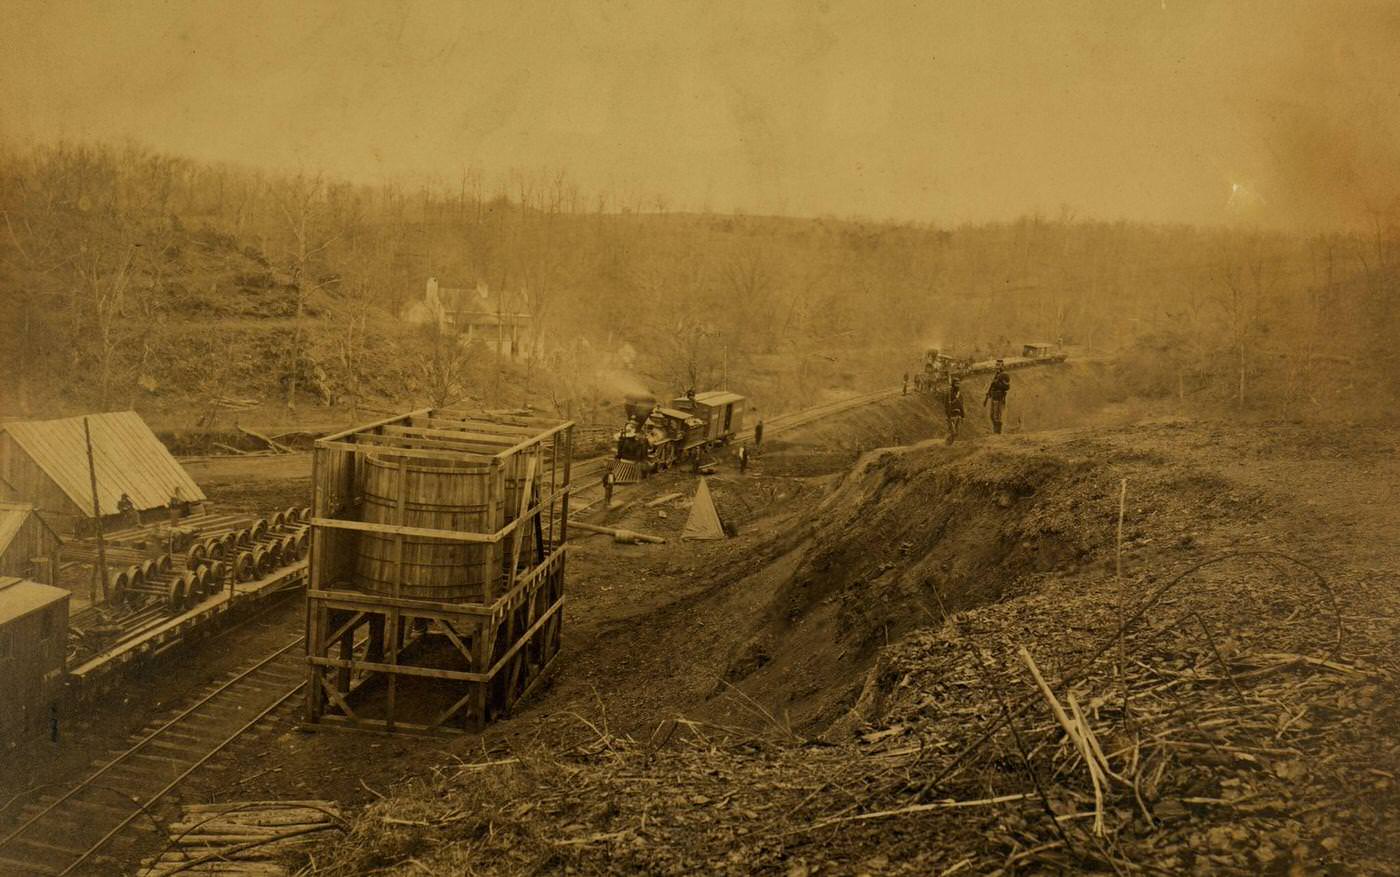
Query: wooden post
[96, 513]
[491, 553]
[568, 474]
[394, 629]
[398, 520]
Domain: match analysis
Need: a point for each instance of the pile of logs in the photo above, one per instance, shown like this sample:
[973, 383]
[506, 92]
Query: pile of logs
[241, 838]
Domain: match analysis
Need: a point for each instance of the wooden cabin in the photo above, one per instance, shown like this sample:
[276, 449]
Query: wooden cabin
[29, 547]
[45, 463]
[33, 649]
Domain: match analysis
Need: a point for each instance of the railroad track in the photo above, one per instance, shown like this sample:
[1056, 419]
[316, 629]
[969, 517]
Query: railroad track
[61, 833]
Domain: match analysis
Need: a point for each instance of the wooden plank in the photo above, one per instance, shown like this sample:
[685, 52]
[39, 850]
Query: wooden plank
[371, 425]
[429, 432]
[392, 529]
[389, 452]
[465, 448]
[354, 599]
[513, 432]
[524, 638]
[400, 669]
[568, 424]
[526, 491]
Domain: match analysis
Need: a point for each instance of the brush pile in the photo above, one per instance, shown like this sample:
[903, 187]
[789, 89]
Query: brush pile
[1243, 735]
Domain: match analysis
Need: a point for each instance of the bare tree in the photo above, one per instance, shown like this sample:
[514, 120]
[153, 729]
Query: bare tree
[446, 368]
[1247, 271]
[301, 202]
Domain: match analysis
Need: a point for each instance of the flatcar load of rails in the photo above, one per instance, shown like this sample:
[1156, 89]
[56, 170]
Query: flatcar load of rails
[180, 566]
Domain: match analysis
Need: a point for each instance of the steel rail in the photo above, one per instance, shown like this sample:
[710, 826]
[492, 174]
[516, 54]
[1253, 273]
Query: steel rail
[88, 853]
[136, 747]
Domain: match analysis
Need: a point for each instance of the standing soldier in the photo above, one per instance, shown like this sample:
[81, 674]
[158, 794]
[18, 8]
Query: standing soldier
[953, 409]
[608, 481]
[996, 394]
[905, 391]
[758, 434]
[743, 459]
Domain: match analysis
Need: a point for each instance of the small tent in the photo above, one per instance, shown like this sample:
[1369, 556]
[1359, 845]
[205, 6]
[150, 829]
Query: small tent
[703, 522]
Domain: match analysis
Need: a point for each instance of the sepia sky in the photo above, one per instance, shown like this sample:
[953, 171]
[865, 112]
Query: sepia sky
[940, 111]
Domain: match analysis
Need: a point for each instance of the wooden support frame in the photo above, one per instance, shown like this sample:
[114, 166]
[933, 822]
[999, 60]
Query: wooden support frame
[434, 666]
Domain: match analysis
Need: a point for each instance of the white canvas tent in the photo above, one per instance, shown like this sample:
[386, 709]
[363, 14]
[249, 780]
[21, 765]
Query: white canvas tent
[703, 522]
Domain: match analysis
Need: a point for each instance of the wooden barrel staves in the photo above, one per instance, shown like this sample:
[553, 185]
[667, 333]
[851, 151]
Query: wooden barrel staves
[448, 496]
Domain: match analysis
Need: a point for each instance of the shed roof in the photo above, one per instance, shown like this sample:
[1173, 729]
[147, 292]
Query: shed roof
[19, 597]
[12, 518]
[718, 397]
[127, 456]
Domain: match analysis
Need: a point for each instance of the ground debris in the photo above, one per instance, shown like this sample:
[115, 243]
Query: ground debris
[251, 837]
[1227, 706]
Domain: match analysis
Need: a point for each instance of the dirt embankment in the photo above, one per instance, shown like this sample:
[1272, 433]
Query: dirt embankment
[1254, 739]
[830, 706]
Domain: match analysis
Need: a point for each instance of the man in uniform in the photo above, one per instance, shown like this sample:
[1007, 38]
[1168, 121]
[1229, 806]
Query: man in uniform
[608, 481]
[953, 408]
[996, 394]
[905, 390]
[758, 434]
[743, 459]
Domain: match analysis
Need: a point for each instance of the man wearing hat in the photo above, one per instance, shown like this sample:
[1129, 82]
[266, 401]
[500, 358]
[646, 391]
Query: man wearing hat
[953, 408]
[996, 394]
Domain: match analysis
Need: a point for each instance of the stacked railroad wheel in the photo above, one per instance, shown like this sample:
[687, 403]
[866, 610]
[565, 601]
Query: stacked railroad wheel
[215, 562]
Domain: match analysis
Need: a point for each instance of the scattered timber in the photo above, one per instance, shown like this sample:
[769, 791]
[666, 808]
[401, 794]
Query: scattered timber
[271, 443]
[241, 837]
[618, 534]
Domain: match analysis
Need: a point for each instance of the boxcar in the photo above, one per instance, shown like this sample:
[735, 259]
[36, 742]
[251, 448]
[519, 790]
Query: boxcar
[721, 410]
[33, 651]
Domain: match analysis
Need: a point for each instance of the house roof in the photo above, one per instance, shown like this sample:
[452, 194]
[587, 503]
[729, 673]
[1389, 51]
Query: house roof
[717, 397]
[12, 518]
[468, 301]
[19, 597]
[127, 457]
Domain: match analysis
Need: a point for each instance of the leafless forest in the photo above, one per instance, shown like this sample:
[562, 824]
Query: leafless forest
[159, 280]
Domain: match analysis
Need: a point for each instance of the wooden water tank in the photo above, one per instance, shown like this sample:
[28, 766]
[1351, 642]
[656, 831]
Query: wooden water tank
[445, 496]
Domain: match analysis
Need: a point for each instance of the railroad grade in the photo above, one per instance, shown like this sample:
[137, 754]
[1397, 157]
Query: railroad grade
[61, 833]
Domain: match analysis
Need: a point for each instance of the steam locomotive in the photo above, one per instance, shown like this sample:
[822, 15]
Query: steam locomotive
[938, 367]
[657, 436]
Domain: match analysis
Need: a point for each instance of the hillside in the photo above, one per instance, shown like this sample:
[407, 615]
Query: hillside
[136, 279]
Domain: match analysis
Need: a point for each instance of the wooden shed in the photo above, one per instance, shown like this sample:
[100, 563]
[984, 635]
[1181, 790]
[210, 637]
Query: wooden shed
[29, 548]
[44, 463]
[33, 648]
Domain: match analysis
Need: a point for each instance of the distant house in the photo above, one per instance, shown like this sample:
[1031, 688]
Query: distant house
[28, 545]
[498, 319]
[44, 463]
